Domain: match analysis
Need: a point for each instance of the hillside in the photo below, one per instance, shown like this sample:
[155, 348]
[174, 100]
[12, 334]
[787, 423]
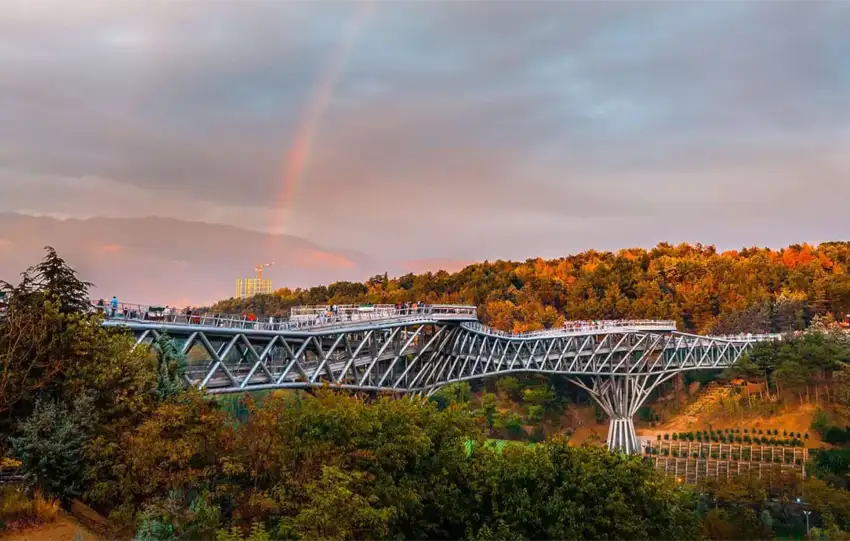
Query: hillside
[753, 290]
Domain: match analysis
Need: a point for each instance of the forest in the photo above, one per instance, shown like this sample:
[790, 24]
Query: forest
[85, 416]
[750, 290]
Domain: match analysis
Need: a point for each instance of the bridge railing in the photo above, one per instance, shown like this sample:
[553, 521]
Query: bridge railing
[748, 337]
[579, 327]
[303, 318]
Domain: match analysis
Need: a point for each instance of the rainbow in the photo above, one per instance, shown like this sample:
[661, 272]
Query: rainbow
[299, 153]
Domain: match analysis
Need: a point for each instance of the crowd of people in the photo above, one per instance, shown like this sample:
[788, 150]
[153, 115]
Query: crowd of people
[320, 315]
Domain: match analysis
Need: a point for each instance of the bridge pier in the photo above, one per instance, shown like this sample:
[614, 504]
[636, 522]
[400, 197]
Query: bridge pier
[620, 397]
[622, 435]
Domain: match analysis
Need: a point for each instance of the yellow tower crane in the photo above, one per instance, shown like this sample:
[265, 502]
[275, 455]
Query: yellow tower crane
[259, 269]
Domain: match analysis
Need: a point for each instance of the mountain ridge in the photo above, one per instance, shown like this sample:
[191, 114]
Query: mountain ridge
[180, 262]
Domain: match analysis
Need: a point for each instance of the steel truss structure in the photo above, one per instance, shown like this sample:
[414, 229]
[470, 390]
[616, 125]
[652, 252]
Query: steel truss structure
[619, 365]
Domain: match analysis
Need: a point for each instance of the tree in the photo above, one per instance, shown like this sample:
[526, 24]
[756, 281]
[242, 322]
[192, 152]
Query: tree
[536, 413]
[625, 499]
[335, 509]
[257, 532]
[510, 387]
[842, 384]
[55, 279]
[51, 446]
[181, 446]
[38, 335]
[30, 343]
[171, 365]
[489, 407]
[181, 516]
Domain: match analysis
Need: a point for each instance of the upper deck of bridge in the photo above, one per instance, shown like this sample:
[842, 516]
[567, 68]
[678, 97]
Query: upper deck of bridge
[348, 317]
[301, 319]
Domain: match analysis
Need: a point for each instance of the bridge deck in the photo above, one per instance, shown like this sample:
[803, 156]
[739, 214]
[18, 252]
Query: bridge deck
[312, 319]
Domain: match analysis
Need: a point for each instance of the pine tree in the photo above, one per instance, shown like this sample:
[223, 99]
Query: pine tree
[57, 279]
[171, 367]
[51, 446]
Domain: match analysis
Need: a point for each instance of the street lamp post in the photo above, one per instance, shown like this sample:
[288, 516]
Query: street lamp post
[805, 512]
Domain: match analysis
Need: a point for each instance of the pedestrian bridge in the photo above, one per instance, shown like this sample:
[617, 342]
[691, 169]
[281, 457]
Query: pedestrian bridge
[420, 348]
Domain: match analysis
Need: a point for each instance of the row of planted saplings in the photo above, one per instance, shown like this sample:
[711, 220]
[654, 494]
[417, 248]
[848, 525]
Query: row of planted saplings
[745, 454]
[756, 436]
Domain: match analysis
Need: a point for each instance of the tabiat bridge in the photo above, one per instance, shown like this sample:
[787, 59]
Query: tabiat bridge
[419, 350]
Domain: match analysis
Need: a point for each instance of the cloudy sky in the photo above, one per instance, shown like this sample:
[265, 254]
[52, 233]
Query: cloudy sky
[435, 129]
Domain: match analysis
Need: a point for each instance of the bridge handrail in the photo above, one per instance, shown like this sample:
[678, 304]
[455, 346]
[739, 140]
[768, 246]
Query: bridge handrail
[748, 337]
[571, 327]
[317, 318]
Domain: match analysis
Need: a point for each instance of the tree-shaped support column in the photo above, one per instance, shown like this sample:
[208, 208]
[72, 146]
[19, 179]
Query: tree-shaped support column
[620, 396]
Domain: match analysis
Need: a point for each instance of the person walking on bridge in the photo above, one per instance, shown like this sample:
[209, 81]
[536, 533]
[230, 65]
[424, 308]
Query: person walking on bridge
[113, 305]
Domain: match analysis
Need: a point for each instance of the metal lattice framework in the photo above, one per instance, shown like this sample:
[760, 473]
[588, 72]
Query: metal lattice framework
[618, 363]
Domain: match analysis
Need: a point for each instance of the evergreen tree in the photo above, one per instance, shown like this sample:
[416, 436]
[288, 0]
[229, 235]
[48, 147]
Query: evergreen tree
[171, 368]
[51, 446]
[57, 279]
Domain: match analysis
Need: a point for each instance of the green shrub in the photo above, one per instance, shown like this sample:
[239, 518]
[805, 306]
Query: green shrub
[537, 435]
[257, 533]
[820, 421]
[513, 424]
[836, 435]
[536, 413]
[153, 529]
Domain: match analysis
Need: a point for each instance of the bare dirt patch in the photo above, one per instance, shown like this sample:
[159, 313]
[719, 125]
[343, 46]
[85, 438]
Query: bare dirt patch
[796, 418]
[64, 528]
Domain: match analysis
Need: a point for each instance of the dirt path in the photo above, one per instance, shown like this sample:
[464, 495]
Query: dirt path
[64, 528]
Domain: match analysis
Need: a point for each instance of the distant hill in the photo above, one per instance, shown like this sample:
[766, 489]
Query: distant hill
[171, 261]
[748, 290]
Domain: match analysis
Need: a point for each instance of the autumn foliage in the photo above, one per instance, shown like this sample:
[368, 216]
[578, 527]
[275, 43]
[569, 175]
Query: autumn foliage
[751, 290]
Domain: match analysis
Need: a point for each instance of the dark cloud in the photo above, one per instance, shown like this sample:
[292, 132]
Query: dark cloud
[455, 128]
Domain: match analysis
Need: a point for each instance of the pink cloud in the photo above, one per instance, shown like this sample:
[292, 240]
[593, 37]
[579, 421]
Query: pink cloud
[318, 258]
